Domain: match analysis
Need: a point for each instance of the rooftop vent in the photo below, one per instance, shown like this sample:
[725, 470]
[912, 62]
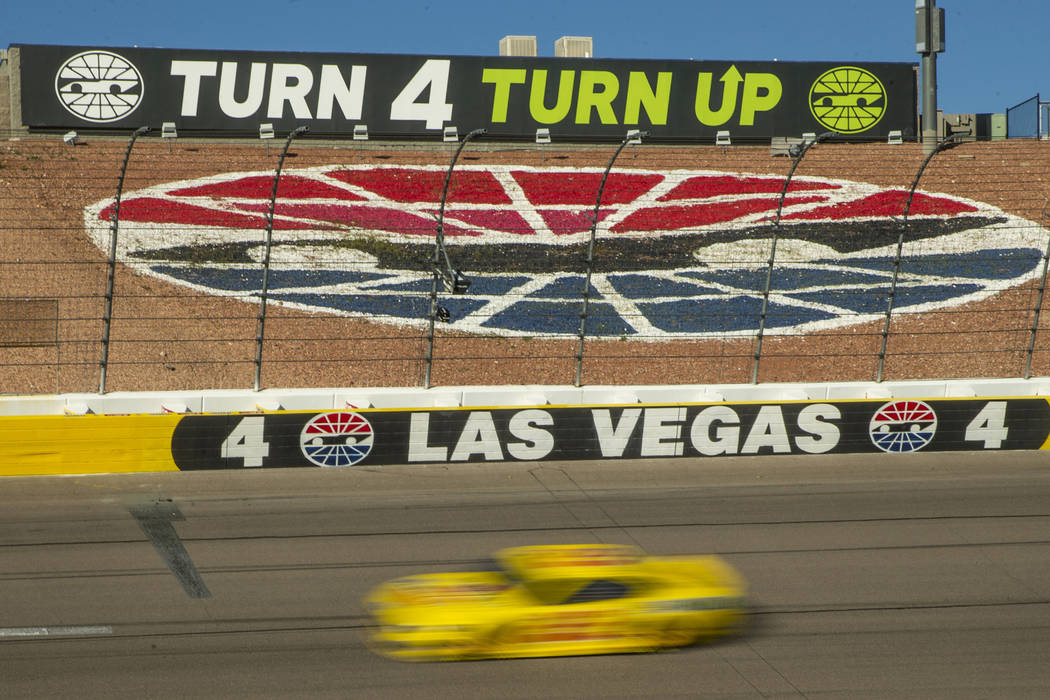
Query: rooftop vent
[517, 46]
[574, 47]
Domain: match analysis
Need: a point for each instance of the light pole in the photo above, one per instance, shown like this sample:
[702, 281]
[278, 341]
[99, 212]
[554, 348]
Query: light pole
[929, 41]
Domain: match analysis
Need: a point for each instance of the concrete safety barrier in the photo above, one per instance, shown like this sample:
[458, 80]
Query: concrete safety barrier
[489, 424]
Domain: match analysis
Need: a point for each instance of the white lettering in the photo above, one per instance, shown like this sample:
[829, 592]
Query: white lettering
[613, 439]
[192, 71]
[227, 89]
[478, 437]
[822, 436]
[289, 82]
[418, 435]
[726, 434]
[332, 88]
[538, 442]
[768, 431]
[662, 432]
[430, 80]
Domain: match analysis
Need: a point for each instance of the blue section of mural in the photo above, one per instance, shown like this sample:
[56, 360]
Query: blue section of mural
[699, 301]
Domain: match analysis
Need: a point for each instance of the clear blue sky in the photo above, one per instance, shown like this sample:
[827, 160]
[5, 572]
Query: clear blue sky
[996, 53]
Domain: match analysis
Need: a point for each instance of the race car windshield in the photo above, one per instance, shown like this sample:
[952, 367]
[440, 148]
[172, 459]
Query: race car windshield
[569, 592]
[599, 590]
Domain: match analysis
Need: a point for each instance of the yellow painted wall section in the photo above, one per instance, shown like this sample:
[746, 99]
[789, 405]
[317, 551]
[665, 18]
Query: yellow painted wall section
[32, 445]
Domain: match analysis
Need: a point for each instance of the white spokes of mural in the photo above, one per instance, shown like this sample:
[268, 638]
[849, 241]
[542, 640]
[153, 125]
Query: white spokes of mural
[334, 225]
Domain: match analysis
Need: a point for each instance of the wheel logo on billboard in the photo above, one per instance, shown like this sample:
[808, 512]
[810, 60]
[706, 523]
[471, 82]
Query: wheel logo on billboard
[99, 86]
[847, 100]
[339, 439]
[903, 426]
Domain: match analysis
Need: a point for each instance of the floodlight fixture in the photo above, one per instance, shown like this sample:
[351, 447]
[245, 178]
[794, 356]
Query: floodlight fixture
[809, 137]
[360, 132]
[70, 137]
[451, 133]
[895, 138]
[722, 139]
[634, 137]
[266, 131]
[167, 131]
[543, 135]
[460, 283]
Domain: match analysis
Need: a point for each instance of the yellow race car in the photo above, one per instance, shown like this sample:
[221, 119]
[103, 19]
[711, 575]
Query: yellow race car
[558, 600]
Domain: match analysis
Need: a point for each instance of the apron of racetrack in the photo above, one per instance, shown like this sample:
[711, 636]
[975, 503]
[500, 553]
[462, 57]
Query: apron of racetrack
[919, 576]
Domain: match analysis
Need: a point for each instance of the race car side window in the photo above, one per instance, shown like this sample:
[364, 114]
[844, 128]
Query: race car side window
[601, 589]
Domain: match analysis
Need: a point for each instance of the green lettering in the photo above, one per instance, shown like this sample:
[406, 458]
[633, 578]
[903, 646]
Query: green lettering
[730, 83]
[538, 109]
[503, 78]
[640, 94]
[600, 100]
[754, 83]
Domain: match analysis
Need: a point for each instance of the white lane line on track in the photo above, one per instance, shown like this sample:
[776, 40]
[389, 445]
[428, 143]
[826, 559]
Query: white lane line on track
[85, 631]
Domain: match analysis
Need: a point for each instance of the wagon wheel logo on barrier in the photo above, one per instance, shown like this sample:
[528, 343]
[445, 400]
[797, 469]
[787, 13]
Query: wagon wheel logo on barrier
[339, 439]
[847, 100]
[99, 86]
[903, 426]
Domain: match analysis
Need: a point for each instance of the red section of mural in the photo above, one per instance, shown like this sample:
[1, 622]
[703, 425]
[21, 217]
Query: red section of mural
[715, 185]
[261, 187]
[888, 203]
[359, 216]
[411, 185]
[671, 218]
[582, 188]
[165, 211]
[562, 222]
[505, 220]
[484, 191]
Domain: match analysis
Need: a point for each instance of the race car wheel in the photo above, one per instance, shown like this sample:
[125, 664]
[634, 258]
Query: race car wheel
[678, 635]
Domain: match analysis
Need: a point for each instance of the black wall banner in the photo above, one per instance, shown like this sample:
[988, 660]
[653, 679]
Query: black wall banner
[411, 96]
[352, 437]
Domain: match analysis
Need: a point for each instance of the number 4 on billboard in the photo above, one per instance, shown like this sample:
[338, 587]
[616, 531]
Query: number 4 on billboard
[246, 442]
[989, 426]
[435, 111]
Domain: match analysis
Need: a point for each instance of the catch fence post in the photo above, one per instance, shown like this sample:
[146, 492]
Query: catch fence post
[945, 143]
[799, 152]
[443, 275]
[633, 136]
[107, 311]
[261, 329]
[1038, 301]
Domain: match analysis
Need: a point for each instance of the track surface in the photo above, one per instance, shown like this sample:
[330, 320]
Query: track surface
[924, 576]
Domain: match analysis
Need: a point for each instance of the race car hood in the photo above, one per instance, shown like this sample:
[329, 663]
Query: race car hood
[440, 599]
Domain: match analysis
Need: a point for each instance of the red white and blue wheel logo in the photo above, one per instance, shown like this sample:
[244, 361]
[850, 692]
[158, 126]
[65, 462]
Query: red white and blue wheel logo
[339, 439]
[903, 426]
[685, 253]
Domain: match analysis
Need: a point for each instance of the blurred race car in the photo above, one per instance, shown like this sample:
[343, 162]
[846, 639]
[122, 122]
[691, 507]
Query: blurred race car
[558, 600]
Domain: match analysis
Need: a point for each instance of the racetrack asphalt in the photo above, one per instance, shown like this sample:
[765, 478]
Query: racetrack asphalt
[917, 576]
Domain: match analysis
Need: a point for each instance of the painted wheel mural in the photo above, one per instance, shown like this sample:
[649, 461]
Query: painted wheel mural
[680, 254]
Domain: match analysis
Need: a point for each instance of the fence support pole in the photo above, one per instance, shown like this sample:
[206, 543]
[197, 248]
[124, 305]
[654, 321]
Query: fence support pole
[1038, 302]
[799, 152]
[261, 329]
[107, 311]
[945, 143]
[632, 136]
[452, 280]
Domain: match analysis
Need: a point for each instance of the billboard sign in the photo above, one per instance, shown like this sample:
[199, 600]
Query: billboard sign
[414, 96]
